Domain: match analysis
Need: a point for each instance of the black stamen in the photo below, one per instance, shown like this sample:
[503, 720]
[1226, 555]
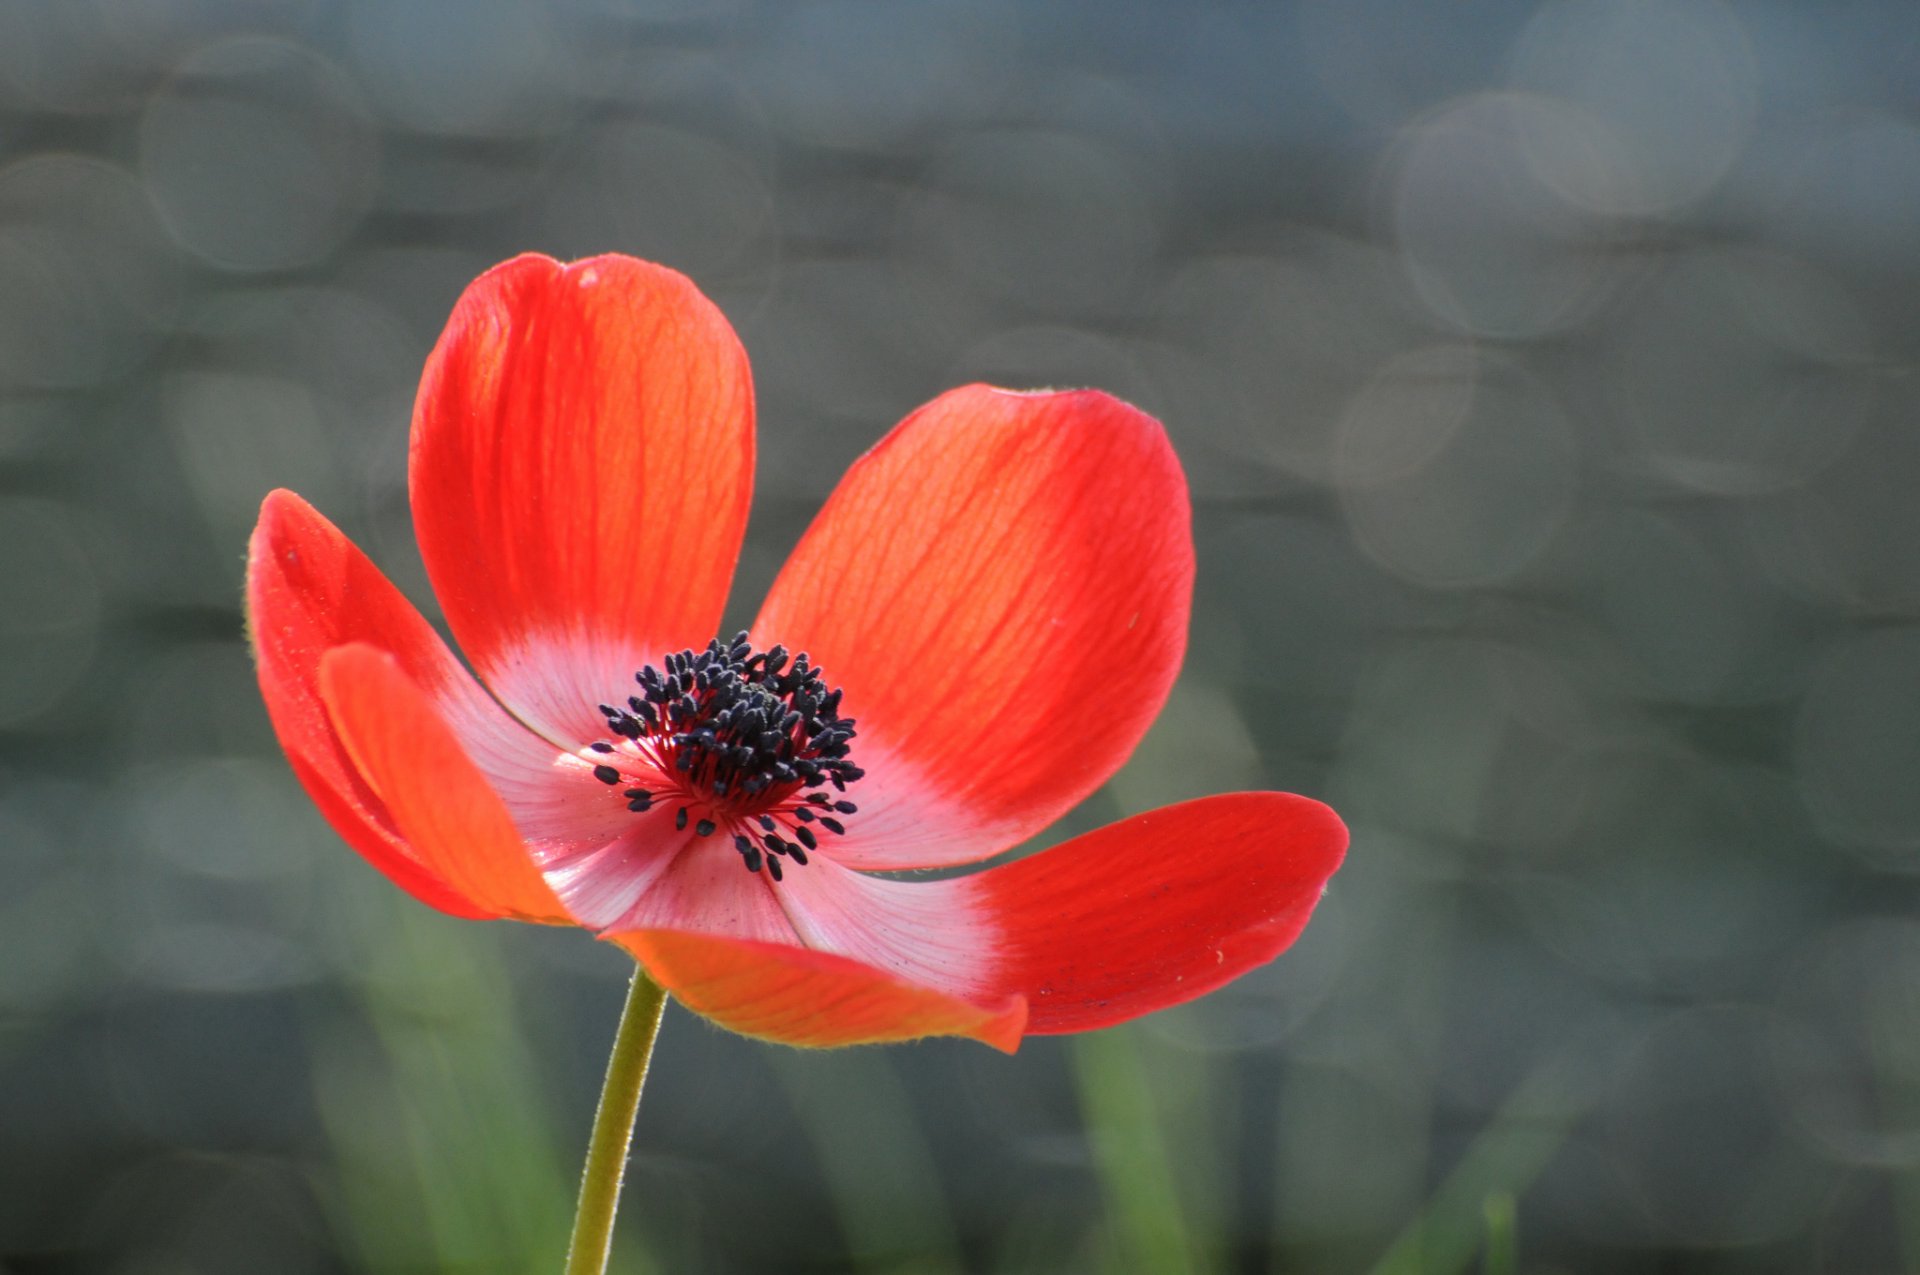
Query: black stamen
[739, 738]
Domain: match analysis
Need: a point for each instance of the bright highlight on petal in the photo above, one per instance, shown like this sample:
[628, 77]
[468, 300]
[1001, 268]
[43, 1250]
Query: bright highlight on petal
[973, 635]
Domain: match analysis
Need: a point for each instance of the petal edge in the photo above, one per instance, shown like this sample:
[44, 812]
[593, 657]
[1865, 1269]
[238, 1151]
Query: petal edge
[310, 589]
[797, 996]
[1160, 908]
[450, 816]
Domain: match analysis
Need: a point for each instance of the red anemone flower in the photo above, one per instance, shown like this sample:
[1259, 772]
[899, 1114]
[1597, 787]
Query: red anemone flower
[992, 607]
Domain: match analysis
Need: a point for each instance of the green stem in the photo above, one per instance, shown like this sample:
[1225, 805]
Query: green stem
[613, 1126]
[1131, 1157]
[1503, 1245]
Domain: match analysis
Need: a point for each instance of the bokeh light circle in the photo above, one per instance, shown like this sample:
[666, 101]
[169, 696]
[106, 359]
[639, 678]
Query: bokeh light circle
[258, 154]
[1671, 81]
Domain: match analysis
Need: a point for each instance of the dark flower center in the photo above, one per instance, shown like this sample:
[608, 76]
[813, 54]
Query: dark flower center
[745, 742]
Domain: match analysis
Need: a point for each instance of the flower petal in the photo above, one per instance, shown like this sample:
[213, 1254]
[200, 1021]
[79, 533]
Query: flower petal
[935, 933]
[309, 590]
[1002, 587]
[1143, 914]
[582, 461]
[1160, 908]
[456, 825]
[658, 876]
[795, 996]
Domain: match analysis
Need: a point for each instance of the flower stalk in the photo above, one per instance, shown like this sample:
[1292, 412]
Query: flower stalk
[613, 1126]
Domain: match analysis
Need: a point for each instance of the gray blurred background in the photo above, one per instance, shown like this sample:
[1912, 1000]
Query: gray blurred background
[1545, 376]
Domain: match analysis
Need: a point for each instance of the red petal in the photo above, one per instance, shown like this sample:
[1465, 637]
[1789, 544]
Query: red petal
[1159, 908]
[581, 467]
[795, 996]
[455, 823]
[309, 590]
[1002, 588]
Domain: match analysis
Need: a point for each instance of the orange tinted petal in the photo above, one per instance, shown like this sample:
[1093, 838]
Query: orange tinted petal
[310, 590]
[582, 461]
[1002, 588]
[795, 996]
[1160, 908]
[457, 826]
